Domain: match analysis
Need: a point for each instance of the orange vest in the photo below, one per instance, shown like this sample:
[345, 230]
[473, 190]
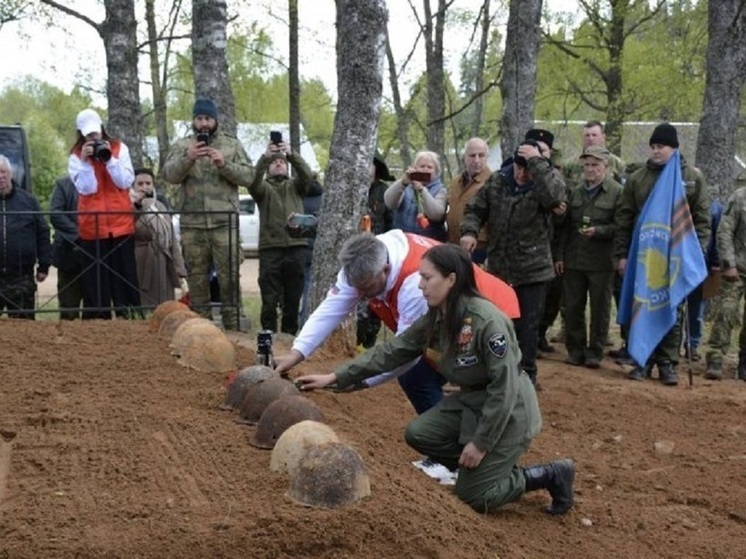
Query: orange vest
[108, 198]
[489, 286]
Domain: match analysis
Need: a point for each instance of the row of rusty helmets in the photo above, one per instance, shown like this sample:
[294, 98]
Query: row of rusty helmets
[293, 426]
[197, 342]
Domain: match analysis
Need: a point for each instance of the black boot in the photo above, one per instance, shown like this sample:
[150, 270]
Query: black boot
[667, 374]
[557, 478]
[640, 373]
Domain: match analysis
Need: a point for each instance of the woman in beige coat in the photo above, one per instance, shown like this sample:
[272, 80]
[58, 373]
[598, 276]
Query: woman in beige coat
[160, 265]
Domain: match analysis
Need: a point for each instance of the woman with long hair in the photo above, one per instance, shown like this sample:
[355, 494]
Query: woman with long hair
[485, 427]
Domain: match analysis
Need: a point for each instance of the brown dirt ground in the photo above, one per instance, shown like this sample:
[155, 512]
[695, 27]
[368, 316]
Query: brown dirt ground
[109, 448]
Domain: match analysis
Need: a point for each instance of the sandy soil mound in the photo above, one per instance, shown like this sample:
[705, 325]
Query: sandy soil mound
[109, 448]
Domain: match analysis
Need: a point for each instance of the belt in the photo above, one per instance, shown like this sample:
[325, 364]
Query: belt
[474, 387]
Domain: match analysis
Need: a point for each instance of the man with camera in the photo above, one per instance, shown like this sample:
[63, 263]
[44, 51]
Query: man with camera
[101, 169]
[517, 205]
[281, 255]
[209, 166]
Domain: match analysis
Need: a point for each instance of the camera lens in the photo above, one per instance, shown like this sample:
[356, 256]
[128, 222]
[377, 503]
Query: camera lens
[101, 152]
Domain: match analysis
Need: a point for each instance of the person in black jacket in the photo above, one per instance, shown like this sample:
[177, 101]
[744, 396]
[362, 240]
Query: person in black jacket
[65, 251]
[24, 243]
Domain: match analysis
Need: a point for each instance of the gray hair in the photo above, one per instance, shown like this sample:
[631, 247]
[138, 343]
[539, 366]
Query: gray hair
[362, 256]
[5, 162]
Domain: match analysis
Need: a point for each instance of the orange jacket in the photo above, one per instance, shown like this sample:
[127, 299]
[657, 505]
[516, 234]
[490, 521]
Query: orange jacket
[108, 198]
[490, 287]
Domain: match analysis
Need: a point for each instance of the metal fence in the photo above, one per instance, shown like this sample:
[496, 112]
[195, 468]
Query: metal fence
[49, 304]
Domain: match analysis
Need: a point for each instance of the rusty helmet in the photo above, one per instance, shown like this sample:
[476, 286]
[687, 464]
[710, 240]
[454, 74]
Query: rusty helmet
[173, 320]
[329, 475]
[247, 376]
[201, 345]
[295, 442]
[281, 414]
[161, 311]
[260, 395]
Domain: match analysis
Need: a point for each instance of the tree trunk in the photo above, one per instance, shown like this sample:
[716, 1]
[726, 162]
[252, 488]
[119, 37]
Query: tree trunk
[436, 100]
[159, 94]
[294, 77]
[402, 117]
[479, 70]
[726, 73]
[361, 43]
[518, 81]
[209, 48]
[119, 32]
[615, 111]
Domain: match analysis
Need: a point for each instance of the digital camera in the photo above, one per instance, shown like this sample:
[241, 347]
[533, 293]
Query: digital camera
[101, 151]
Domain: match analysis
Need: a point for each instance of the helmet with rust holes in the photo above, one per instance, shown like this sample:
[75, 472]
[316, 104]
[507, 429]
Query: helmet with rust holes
[295, 442]
[281, 414]
[329, 475]
[163, 310]
[260, 395]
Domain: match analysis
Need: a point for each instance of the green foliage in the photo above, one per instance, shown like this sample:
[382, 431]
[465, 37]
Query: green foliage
[47, 114]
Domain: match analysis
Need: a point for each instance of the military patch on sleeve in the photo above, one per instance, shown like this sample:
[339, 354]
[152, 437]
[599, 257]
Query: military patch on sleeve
[498, 344]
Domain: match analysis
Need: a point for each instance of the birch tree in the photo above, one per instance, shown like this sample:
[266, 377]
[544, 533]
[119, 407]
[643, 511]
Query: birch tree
[360, 46]
[726, 74]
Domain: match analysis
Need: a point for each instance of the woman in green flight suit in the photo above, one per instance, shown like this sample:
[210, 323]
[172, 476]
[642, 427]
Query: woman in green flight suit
[485, 427]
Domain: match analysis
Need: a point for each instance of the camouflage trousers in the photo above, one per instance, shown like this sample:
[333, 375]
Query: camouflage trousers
[202, 248]
[726, 319]
[17, 296]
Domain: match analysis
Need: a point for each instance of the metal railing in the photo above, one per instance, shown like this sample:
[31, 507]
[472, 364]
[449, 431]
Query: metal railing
[99, 259]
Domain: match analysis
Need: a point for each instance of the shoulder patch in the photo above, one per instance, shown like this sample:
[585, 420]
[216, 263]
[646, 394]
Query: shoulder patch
[498, 345]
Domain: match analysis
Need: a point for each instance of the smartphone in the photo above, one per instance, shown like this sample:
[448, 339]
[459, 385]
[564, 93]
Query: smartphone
[203, 138]
[424, 178]
[275, 137]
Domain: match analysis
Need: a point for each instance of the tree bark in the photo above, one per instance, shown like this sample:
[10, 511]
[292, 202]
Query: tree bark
[209, 50]
[726, 74]
[436, 100]
[484, 38]
[294, 77]
[518, 82]
[361, 43]
[159, 95]
[402, 117]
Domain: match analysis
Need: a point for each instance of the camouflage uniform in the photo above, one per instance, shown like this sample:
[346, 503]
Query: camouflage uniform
[731, 243]
[635, 194]
[211, 238]
[281, 256]
[518, 219]
[381, 220]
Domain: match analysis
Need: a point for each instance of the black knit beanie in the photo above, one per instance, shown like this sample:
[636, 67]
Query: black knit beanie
[665, 135]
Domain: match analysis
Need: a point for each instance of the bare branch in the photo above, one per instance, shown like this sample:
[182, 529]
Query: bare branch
[73, 13]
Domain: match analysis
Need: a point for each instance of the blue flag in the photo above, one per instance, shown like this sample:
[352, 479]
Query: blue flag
[665, 263]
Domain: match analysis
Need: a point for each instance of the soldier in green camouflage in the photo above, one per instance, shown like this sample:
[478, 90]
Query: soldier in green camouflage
[731, 242]
[209, 166]
[517, 204]
[663, 143]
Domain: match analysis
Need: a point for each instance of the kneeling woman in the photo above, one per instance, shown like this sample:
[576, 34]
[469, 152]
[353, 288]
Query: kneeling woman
[484, 428]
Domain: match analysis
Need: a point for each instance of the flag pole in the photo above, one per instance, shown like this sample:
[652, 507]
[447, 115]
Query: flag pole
[688, 338]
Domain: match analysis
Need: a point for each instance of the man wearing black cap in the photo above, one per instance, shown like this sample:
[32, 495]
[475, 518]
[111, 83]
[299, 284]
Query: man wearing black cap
[281, 255]
[209, 166]
[517, 204]
[663, 143]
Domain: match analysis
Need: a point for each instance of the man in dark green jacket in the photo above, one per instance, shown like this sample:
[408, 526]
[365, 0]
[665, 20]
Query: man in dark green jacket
[281, 256]
[663, 143]
[517, 204]
[585, 257]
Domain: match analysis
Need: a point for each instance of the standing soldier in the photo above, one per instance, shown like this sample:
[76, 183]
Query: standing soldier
[585, 258]
[210, 165]
[517, 204]
[731, 243]
[663, 143]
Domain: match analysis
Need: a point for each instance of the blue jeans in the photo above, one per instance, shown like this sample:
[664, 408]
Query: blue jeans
[423, 385]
